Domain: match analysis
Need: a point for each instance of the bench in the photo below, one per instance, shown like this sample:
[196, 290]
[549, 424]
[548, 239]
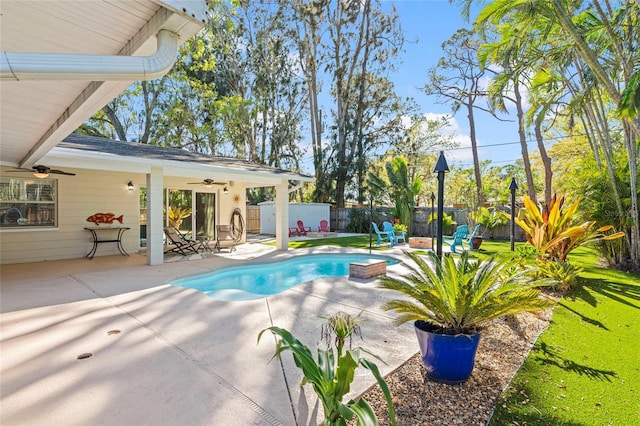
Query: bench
[367, 268]
[421, 242]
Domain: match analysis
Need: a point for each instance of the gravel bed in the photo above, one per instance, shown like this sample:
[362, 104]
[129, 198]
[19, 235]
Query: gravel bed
[420, 401]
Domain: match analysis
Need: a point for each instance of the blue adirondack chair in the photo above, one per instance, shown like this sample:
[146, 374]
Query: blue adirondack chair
[397, 235]
[471, 235]
[457, 237]
[383, 236]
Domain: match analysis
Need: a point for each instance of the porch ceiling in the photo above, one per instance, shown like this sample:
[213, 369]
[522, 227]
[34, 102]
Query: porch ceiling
[36, 115]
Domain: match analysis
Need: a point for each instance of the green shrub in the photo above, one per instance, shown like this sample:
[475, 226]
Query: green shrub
[563, 274]
[524, 253]
[358, 220]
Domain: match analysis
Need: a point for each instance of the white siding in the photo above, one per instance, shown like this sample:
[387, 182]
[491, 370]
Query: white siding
[236, 198]
[309, 213]
[79, 197]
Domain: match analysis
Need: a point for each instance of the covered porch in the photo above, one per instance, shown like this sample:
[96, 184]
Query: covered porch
[110, 177]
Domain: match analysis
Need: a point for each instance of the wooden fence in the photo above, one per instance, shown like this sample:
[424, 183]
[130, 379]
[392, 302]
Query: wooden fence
[341, 218]
[253, 219]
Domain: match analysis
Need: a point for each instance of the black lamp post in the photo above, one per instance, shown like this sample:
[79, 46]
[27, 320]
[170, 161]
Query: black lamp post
[441, 168]
[513, 186]
[370, 220]
[433, 199]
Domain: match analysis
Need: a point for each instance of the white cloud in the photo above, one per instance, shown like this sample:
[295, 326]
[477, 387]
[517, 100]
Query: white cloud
[463, 154]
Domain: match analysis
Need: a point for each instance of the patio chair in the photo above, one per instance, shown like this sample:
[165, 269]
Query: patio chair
[303, 229]
[383, 236]
[324, 226]
[179, 243]
[471, 235]
[293, 231]
[457, 238]
[224, 235]
[397, 235]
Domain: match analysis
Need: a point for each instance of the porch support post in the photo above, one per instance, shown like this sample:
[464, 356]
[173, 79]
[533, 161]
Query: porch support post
[282, 216]
[155, 184]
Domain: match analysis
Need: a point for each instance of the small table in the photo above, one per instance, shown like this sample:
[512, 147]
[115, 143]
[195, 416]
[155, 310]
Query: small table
[117, 239]
[204, 243]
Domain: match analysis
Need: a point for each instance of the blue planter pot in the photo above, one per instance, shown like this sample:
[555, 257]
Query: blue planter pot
[447, 358]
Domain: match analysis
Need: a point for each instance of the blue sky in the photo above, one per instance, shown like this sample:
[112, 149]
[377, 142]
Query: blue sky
[432, 22]
[426, 25]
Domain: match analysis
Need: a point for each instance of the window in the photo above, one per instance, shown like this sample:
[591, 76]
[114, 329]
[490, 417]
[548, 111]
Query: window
[27, 202]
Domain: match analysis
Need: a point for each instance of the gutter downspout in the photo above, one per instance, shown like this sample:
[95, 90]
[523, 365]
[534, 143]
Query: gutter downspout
[67, 66]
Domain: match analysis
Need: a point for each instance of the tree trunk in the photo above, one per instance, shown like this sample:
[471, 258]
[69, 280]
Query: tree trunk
[115, 122]
[531, 188]
[474, 150]
[546, 161]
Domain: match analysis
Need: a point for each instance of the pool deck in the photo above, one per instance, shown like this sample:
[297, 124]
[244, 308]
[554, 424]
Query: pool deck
[174, 356]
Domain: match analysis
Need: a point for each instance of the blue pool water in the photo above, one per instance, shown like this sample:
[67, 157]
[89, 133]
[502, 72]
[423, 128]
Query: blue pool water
[266, 279]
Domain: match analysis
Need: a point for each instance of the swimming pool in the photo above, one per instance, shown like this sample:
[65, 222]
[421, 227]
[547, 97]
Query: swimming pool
[266, 279]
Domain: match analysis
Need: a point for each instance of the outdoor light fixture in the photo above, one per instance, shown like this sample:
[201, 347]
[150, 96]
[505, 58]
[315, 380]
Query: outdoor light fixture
[513, 186]
[225, 190]
[441, 168]
[130, 186]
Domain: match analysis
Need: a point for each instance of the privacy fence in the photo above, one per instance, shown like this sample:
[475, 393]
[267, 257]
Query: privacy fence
[356, 219]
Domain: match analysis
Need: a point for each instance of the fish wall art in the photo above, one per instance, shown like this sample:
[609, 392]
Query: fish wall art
[107, 218]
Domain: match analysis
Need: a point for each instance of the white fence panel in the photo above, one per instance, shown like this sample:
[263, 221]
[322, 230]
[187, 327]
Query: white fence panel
[309, 213]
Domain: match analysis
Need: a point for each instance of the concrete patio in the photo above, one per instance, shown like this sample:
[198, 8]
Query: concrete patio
[165, 355]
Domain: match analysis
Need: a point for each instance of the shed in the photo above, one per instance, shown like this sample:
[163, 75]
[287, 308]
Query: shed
[310, 213]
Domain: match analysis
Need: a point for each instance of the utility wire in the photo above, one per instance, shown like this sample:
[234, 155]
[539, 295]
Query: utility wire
[509, 143]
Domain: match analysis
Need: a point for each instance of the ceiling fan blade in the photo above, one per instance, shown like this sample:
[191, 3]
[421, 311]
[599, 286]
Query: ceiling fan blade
[40, 169]
[60, 172]
[207, 182]
[19, 170]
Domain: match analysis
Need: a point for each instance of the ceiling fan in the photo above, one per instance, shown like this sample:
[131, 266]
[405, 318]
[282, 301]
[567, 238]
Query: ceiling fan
[41, 171]
[207, 182]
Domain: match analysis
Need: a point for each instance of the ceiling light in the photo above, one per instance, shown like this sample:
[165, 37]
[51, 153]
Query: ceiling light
[41, 175]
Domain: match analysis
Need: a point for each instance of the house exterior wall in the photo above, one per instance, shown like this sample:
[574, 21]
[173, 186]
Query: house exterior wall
[79, 197]
[91, 192]
[236, 198]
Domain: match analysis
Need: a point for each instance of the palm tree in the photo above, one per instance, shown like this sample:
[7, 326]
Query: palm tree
[401, 189]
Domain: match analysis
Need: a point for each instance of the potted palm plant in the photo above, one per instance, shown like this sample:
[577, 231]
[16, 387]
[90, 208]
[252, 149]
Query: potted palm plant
[451, 301]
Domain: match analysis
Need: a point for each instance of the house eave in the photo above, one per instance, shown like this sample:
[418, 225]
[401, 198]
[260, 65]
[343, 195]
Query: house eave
[72, 158]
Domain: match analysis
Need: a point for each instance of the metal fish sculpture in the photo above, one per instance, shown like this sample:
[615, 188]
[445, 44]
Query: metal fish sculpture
[107, 218]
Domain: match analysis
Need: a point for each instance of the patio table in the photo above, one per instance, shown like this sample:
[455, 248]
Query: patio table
[117, 239]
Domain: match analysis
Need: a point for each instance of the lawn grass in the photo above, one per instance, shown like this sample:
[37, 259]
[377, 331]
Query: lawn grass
[585, 369]
[357, 241]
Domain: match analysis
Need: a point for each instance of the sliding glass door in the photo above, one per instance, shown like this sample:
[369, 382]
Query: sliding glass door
[205, 205]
